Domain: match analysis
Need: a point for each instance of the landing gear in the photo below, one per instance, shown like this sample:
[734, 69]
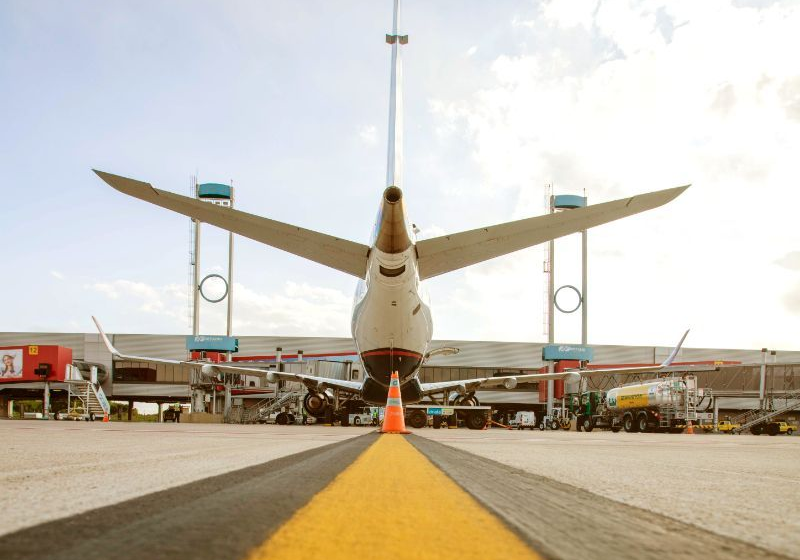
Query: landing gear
[417, 418]
[476, 419]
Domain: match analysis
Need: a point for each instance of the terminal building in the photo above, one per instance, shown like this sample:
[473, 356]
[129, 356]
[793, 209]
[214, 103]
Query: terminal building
[733, 376]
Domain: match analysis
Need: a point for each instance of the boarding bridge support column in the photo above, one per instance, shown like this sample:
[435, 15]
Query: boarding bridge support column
[46, 403]
[763, 380]
[715, 420]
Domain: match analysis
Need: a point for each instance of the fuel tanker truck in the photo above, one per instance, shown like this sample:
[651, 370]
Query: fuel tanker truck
[662, 405]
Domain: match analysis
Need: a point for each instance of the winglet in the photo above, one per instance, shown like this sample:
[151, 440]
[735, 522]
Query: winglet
[106, 341]
[675, 351]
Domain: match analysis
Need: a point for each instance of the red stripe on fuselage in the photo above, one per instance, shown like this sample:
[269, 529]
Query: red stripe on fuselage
[391, 353]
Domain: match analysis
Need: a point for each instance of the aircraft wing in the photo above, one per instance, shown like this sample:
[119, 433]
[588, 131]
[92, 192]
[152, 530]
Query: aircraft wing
[451, 252]
[505, 381]
[210, 369]
[664, 367]
[511, 381]
[341, 254]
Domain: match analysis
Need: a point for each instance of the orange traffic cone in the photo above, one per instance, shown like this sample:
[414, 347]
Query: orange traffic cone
[105, 417]
[689, 429]
[393, 420]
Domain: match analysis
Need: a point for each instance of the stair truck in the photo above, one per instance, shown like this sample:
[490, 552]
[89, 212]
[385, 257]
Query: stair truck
[662, 405]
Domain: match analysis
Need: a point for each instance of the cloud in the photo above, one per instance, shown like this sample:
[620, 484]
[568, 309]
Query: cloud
[652, 104]
[472, 50]
[298, 308]
[368, 134]
[790, 260]
[791, 300]
[56, 274]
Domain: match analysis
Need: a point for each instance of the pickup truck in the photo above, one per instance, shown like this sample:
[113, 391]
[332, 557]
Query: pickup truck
[725, 426]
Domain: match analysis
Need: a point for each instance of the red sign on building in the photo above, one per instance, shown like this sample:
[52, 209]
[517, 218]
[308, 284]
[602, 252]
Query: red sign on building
[33, 363]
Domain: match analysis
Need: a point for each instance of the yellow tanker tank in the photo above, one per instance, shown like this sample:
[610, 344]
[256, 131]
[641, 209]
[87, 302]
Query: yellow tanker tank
[646, 395]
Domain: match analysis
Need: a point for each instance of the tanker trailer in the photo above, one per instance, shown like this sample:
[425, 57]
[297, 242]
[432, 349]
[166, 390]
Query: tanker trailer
[659, 405]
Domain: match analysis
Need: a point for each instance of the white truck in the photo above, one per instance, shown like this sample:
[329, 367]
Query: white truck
[524, 419]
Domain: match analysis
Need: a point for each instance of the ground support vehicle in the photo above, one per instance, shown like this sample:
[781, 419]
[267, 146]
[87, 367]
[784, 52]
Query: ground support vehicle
[772, 429]
[727, 427]
[663, 405]
[362, 419]
[523, 419]
[421, 415]
[558, 420]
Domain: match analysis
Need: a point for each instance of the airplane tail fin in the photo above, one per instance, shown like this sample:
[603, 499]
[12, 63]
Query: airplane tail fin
[451, 252]
[347, 256]
[675, 351]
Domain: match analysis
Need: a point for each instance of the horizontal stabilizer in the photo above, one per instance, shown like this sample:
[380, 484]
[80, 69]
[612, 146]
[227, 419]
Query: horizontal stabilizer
[341, 254]
[451, 252]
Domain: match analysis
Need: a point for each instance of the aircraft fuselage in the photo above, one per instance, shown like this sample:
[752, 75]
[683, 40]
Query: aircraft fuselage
[391, 325]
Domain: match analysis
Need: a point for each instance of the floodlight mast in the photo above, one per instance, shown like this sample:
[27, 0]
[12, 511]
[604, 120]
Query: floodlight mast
[394, 163]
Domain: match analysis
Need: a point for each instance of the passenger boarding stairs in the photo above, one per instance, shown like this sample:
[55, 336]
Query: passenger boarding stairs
[760, 415]
[84, 398]
[261, 411]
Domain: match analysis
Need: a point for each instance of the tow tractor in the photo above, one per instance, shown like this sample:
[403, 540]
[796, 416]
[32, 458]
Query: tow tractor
[559, 420]
[420, 415]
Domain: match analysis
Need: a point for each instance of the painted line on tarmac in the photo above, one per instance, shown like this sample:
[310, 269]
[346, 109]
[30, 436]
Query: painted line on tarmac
[394, 503]
[563, 521]
[223, 516]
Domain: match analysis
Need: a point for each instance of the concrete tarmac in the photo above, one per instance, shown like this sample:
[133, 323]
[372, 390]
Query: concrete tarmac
[212, 491]
[740, 486]
[53, 469]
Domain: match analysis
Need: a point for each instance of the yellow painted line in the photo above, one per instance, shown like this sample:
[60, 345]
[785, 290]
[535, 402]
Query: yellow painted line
[392, 502]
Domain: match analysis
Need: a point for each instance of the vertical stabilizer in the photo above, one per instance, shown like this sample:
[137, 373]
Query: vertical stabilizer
[394, 165]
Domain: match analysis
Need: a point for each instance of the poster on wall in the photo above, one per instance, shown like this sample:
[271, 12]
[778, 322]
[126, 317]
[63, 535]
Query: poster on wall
[11, 365]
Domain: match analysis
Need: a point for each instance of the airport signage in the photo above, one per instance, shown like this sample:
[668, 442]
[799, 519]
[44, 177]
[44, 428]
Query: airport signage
[439, 411]
[555, 352]
[212, 343]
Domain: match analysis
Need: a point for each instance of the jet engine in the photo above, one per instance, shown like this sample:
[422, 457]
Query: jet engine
[316, 404]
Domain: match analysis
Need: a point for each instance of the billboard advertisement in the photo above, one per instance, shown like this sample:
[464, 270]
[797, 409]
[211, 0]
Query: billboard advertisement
[11, 366]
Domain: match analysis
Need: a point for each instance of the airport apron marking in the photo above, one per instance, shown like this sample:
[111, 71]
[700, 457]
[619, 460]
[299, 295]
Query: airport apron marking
[392, 502]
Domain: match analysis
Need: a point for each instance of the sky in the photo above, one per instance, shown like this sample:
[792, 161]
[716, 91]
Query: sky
[289, 102]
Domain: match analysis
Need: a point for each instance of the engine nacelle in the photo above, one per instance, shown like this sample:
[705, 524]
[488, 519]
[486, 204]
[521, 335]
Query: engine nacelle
[211, 372]
[272, 377]
[316, 404]
[510, 383]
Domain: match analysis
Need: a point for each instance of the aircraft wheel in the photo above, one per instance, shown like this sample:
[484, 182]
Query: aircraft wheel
[476, 419]
[417, 418]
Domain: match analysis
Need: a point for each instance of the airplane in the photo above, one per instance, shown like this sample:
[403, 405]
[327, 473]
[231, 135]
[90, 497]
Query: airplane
[391, 324]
